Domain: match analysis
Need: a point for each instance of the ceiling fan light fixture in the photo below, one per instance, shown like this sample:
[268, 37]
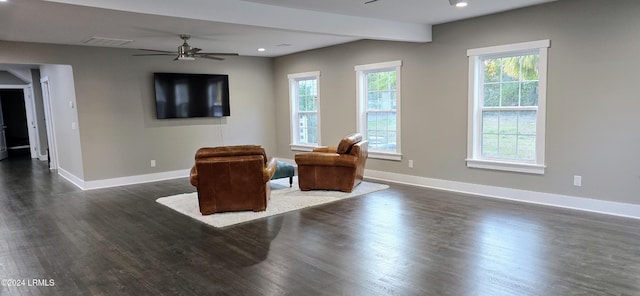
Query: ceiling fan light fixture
[458, 3]
[186, 52]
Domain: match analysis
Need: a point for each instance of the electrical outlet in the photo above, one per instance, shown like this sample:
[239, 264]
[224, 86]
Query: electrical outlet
[577, 181]
[411, 163]
[153, 163]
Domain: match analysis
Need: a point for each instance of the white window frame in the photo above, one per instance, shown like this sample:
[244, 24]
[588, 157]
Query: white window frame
[293, 109]
[474, 141]
[361, 104]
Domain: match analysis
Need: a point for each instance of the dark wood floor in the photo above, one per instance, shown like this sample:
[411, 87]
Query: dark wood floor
[401, 241]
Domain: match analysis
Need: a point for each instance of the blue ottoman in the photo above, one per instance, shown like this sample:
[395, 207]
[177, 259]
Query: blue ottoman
[284, 170]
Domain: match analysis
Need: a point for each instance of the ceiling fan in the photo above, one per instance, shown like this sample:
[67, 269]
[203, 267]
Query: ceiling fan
[186, 52]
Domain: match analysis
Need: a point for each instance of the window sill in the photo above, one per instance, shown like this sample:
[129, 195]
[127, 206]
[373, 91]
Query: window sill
[506, 166]
[301, 147]
[385, 155]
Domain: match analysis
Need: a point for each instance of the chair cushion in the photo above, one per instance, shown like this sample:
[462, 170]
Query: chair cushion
[347, 142]
[224, 151]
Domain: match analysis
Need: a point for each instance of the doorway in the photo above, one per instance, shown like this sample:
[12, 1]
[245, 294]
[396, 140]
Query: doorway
[14, 124]
[40, 99]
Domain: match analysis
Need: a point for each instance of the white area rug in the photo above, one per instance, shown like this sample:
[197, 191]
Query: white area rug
[283, 199]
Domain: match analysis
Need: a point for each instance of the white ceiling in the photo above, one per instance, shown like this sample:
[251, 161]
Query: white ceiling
[280, 26]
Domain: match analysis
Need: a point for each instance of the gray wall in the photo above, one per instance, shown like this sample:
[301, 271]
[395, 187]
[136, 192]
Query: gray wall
[63, 97]
[592, 98]
[117, 131]
[8, 78]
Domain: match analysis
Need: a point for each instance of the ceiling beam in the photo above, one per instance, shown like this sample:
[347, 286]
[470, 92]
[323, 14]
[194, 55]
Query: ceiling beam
[269, 16]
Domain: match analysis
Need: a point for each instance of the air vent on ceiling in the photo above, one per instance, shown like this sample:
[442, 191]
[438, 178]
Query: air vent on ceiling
[102, 41]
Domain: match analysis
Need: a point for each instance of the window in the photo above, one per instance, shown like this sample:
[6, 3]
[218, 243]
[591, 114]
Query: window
[378, 103]
[507, 96]
[305, 110]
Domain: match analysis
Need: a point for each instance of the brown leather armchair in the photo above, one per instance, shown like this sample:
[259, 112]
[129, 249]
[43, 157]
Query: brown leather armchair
[232, 178]
[333, 168]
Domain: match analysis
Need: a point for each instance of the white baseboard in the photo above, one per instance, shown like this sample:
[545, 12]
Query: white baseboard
[114, 182]
[71, 178]
[548, 199]
[130, 180]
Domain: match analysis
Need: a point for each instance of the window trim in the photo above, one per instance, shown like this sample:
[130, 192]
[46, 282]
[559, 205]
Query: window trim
[293, 99]
[474, 159]
[360, 106]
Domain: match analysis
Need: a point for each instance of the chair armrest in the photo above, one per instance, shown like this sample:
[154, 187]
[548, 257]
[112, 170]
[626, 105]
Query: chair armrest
[270, 169]
[326, 149]
[326, 159]
[193, 176]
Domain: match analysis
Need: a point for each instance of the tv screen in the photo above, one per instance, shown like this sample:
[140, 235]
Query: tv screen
[191, 95]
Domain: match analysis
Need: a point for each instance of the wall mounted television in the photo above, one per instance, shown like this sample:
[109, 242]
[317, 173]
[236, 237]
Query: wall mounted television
[180, 95]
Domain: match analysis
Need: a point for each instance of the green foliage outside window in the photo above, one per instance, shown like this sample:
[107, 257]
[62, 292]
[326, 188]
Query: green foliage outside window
[381, 107]
[510, 82]
[307, 111]
[307, 95]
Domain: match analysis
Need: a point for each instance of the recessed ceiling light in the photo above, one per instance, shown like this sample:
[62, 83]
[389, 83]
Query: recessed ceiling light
[261, 49]
[459, 3]
[4, 0]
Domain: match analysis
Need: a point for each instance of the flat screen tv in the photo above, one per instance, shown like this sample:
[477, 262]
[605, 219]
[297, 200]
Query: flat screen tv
[181, 95]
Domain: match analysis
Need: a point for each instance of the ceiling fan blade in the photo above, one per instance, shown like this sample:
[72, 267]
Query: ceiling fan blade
[210, 57]
[186, 52]
[218, 53]
[153, 54]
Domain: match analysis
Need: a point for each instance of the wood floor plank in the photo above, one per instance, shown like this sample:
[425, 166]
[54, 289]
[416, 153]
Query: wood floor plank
[401, 241]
